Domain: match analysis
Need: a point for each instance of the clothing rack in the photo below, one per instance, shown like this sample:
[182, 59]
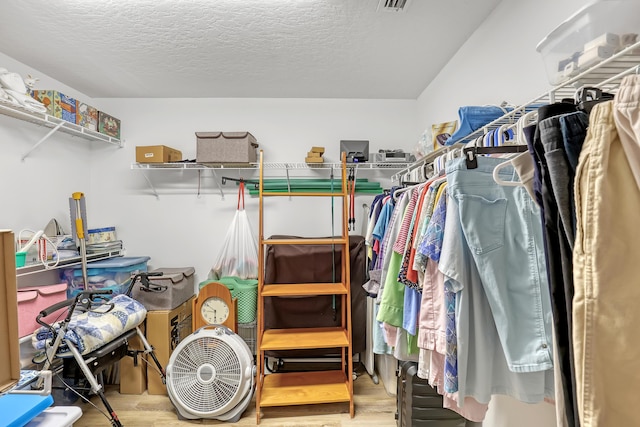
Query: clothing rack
[605, 75]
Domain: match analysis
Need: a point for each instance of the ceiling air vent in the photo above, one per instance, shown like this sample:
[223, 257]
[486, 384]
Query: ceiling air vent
[393, 5]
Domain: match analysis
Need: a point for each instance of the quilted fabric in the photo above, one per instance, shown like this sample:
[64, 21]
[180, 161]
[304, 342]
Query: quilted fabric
[91, 330]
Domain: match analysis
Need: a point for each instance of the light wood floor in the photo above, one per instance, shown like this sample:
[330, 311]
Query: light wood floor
[374, 408]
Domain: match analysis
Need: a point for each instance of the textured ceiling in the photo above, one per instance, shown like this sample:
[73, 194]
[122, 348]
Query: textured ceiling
[239, 48]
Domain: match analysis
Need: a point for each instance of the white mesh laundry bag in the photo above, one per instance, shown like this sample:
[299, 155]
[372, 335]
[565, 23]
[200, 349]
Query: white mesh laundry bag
[239, 254]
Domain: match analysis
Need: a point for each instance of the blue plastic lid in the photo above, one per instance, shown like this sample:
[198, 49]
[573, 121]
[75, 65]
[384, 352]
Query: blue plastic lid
[119, 262]
[101, 230]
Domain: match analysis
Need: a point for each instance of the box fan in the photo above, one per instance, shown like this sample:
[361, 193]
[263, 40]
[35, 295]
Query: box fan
[211, 375]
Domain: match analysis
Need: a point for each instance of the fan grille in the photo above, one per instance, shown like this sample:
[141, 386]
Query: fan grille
[206, 374]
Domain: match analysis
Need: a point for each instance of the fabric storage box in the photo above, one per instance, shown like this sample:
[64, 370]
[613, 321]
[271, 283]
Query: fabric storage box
[114, 274]
[166, 292]
[157, 154]
[594, 33]
[32, 300]
[226, 147]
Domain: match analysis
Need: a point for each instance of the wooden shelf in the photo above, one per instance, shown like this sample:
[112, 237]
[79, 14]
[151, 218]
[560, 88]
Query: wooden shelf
[303, 289]
[304, 388]
[327, 241]
[303, 338]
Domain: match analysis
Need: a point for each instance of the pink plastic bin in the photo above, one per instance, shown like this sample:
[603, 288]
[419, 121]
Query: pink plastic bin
[32, 300]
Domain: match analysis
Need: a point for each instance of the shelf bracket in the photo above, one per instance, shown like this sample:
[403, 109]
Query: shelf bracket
[150, 184]
[217, 181]
[43, 139]
[286, 165]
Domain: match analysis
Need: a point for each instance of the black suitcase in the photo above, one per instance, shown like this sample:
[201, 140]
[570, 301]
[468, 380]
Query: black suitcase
[418, 404]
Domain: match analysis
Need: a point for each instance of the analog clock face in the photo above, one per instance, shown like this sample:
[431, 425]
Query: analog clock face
[214, 311]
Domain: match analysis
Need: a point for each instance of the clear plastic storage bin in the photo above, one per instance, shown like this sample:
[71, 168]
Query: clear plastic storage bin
[594, 33]
[111, 274]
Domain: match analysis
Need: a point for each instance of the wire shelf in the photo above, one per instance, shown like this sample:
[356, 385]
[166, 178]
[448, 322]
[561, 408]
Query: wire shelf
[12, 110]
[605, 75]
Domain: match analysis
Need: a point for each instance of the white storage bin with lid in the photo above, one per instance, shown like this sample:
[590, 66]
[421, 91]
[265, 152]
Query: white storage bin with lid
[594, 33]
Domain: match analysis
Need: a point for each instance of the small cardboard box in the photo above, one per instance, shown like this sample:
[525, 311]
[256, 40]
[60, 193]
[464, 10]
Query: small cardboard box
[58, 104]
[157, 154]
[9, 341]
[133, 378]
[87, 116]
[226, 147]
[165, 330]
[108, 125]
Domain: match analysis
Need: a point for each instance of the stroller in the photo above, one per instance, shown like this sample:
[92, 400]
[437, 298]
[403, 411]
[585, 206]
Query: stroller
[84, 365]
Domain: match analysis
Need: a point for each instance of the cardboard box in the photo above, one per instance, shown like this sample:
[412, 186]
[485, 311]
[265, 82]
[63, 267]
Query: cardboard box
[58, 104]
[165, 330]
[226, 147]
[133, 378]
[9, 341]
[314, 160]
[108, 125]
[87, 116]
[157, 154]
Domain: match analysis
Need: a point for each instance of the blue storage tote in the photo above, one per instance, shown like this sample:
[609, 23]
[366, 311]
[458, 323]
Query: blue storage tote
[114, 274]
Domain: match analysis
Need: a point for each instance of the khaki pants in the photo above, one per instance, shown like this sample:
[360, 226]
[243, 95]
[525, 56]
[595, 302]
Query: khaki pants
[606, 267]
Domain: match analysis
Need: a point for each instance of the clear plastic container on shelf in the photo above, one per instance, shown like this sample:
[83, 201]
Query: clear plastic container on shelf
[594, 33]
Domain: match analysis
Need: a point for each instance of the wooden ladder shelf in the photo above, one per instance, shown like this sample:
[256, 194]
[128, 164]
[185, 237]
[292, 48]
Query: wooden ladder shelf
[303, 388]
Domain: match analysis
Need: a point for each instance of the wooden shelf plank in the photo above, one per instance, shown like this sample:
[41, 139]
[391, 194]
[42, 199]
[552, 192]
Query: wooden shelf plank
[326, 241]
[303, 289]
[299, 338]
[304, 388]
[304, 194]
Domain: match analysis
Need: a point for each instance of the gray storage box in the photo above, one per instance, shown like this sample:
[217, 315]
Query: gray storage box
[226, 147]
[168, 291]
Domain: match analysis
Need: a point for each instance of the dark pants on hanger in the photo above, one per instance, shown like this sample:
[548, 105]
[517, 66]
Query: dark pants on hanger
[559, 139]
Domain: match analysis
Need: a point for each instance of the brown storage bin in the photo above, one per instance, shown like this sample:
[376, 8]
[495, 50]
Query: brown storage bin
[226, 147]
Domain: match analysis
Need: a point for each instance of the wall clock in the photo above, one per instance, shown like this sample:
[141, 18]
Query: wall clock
[215, 306]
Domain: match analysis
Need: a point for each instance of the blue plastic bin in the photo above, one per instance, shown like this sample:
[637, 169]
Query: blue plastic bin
[114, 274]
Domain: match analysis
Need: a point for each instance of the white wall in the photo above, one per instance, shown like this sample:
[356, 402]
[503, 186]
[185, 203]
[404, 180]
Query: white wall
[179, 228]
[37, 189]
[499, 63]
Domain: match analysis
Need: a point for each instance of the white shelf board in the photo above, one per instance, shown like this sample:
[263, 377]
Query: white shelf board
[12, 110]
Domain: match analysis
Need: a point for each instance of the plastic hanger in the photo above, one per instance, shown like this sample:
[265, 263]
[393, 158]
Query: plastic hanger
[524, 121]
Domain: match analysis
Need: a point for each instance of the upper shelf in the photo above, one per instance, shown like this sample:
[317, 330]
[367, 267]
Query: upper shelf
[67, 262]
[281, 166]
[605, 75]
[12, 110]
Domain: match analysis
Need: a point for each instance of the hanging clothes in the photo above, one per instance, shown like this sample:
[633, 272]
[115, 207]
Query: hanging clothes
[607, 245]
